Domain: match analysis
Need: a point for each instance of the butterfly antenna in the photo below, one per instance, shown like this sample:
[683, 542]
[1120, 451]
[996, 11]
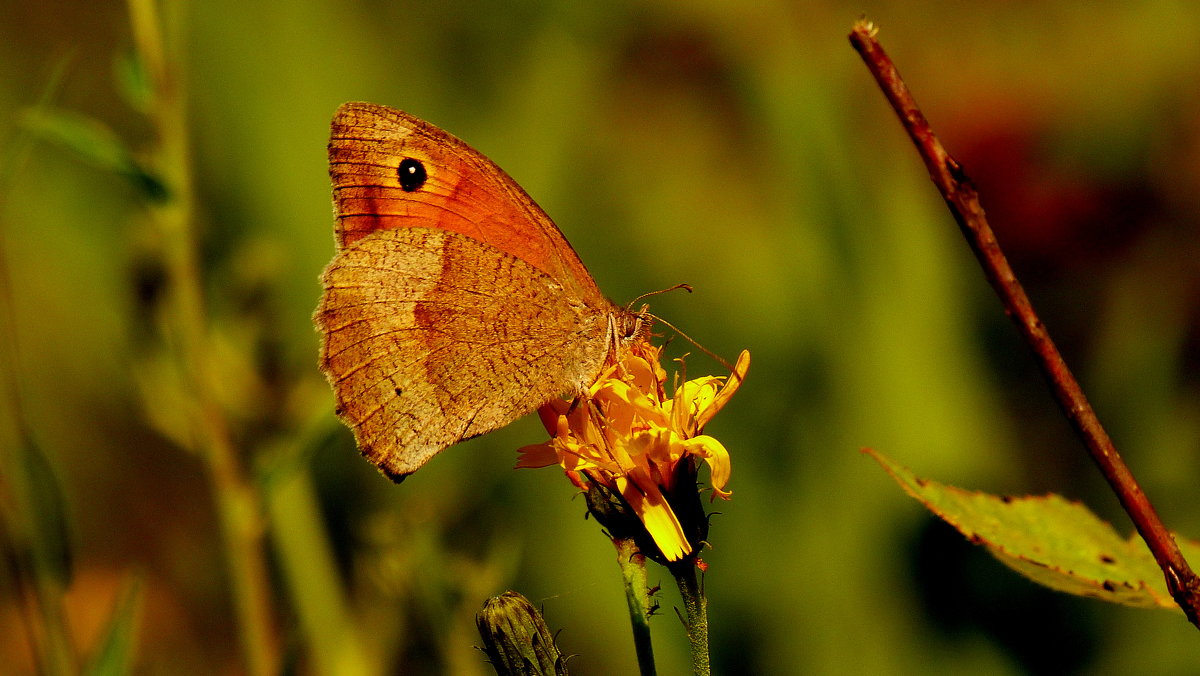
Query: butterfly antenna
[635, 301]
[688, 338]
[688, 288]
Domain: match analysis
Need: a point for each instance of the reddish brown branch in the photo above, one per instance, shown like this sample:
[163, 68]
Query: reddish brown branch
[962, 199]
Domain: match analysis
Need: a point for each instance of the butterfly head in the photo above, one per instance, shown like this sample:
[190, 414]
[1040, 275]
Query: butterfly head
[626, 327]
[635, 325]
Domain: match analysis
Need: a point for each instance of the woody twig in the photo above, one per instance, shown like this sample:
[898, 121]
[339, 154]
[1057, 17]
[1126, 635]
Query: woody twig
[963, 201]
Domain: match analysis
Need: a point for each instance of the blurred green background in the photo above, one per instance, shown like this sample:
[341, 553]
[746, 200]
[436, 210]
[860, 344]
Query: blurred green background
[742, 149]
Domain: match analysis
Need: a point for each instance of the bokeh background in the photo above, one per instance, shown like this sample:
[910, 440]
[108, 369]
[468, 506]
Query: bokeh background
[741, 148]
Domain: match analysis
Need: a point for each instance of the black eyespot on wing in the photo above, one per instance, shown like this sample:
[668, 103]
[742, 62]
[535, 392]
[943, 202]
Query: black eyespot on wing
[411, 174]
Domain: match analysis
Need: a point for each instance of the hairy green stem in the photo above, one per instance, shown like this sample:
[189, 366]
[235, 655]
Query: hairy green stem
[696, 608]
[633, 571]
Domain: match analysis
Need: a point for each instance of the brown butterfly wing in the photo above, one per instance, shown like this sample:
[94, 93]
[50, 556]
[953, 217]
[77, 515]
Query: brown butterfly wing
[465, 192]
[450, 309]
[423, 353]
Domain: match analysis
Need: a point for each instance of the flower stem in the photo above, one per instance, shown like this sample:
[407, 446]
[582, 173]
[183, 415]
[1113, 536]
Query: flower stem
[696, 607]
[633, 570]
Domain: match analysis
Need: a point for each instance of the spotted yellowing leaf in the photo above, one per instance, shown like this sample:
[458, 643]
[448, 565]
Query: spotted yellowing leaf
[1053, 541]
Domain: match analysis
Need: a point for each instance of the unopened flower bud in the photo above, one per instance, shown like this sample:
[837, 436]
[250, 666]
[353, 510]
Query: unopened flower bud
[516, 638]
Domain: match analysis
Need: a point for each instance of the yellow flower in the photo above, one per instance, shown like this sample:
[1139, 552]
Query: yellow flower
[626, 436]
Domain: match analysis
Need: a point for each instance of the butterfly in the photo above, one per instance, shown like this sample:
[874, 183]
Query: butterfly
[453, 305]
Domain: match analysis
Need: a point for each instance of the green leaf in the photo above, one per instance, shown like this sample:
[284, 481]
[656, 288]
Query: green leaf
[114, 657]
[43, 503]
[96, 144]
[133, 81]
[36, 545]
[1053, 541]
[15, 154]
[87, 137]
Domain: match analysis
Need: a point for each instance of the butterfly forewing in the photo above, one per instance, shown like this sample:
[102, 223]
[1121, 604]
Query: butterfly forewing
[464, 192]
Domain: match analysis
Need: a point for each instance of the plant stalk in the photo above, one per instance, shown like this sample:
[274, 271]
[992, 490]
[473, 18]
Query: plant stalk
[963, 201]
[239, 507]
[696, 608]
[633, 572]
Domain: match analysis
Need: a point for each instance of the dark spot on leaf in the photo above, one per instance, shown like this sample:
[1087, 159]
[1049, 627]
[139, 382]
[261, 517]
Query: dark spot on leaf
[1109, 586]
[1105, 558]
[1006, 499]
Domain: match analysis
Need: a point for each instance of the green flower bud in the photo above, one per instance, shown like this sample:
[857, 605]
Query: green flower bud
[516, 638]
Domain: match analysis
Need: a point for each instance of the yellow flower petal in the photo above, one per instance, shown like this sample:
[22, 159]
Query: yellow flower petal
[625, 434]
[731, 386]
[537, 455]
[550, 412]
[649, 504]
[719, 466]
